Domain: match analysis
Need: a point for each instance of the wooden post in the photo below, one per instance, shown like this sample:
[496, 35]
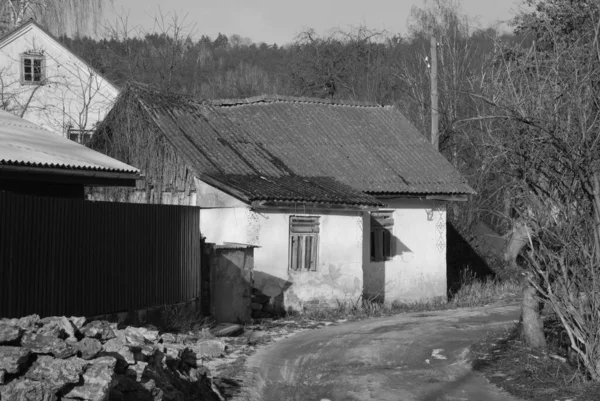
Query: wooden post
[434, 96]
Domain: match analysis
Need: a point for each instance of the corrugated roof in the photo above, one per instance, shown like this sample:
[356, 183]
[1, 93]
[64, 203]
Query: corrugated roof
[25, 144]
[302, 149]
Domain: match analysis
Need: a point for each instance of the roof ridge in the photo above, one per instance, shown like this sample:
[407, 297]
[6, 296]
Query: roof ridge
[272, 98]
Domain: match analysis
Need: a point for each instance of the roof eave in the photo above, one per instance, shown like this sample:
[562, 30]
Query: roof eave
[87, 177]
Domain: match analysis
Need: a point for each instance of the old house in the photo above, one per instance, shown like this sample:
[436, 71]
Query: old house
[342, 199]
[35, 161]
[47, 84]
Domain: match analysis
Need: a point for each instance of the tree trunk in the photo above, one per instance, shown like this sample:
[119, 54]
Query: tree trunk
[531, 328]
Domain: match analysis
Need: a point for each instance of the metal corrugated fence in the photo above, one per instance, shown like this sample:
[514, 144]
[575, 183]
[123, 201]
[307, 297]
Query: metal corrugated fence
[73, 257]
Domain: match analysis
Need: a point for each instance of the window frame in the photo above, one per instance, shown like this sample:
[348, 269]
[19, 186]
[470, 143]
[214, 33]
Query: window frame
[33, 56]
[303, 231]
[381, 244]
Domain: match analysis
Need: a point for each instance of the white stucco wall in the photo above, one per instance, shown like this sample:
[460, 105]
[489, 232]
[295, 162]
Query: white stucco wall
[73, 93]
[418, 269]
[339, 271]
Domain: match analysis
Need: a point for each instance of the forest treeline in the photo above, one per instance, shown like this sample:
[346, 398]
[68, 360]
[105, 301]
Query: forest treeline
[357, 64]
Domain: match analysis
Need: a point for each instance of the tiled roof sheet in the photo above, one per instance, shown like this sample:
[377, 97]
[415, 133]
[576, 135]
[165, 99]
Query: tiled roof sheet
[25, 144]
[317, 148]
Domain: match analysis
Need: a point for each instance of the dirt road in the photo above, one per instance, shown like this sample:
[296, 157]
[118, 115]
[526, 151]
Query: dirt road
[407, 357]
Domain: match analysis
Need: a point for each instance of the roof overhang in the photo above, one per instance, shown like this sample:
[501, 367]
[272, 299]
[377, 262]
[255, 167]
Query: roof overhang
[440, 197]
[69, 176]
[300, 207]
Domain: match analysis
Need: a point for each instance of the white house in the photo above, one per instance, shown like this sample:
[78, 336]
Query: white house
[342, 199]
[47, 84]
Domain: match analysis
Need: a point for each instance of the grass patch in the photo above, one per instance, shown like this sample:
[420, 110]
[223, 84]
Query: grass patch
[476, 292]
[183, 319]
[530, 374]
[473, 293]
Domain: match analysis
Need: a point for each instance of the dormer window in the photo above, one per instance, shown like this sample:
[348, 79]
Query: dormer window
[32, 68]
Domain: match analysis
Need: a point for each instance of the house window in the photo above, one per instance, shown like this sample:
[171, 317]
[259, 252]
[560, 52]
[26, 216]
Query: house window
[304, 243]
[81, 136]
[32, 68]
[382, 238]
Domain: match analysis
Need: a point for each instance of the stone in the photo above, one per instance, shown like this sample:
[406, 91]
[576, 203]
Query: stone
[88, 348]
[198, 373]
[134, 337]
[9, 333]
[61, 324]
[256, 306]
[227, 330]
[173, 351]
[26, 390]
[97, 380]
[55, 374]
[137, 371]
[98, 329]
[29, 322]
[115, 346]
[207, 349]
[10, 322]
[44, 344]
[127, 389]
[168, 338]
[149, 335]
[12, 359]
[78, 322]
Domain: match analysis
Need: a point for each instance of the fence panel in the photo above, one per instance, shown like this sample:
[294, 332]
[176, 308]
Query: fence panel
[73, 257]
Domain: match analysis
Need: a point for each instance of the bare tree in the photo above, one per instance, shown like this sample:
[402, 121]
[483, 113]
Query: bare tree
[543, 105]
[61, 17]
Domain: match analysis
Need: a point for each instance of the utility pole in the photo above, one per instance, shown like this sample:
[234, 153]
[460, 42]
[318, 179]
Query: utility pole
[434, 96]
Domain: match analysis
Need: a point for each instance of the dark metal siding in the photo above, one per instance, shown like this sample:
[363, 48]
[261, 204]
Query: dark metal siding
[72, 257]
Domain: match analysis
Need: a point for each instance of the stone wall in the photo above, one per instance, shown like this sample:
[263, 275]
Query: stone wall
[59, 358]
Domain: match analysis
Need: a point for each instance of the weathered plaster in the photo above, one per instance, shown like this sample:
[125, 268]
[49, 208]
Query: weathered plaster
[417, 271]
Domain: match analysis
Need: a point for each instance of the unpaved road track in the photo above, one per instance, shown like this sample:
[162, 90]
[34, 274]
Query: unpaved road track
[417, 356]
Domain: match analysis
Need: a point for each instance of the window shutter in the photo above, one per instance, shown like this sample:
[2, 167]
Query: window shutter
[382, 224]
[304, 240]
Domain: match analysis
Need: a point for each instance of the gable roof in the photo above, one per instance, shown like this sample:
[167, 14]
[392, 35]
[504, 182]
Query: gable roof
[25, 146]
[300, 149]
[32, 24]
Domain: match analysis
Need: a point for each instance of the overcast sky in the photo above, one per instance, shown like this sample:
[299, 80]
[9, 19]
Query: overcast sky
[279, 21]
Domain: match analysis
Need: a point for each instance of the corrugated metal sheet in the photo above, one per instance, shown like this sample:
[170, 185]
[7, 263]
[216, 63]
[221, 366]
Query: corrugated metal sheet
[70, 257]
[26, 144]
[299, 149]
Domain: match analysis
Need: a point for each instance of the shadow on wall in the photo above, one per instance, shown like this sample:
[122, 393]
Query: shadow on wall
[267, 295]
[374, 271]
[462, 259]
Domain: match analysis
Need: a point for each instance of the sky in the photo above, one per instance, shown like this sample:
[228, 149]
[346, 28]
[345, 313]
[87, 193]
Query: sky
[279, 21]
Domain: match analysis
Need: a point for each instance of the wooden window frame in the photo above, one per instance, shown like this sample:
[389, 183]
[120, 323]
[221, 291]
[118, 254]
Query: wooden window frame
[303, 249]
[382, 244]
[33, 57]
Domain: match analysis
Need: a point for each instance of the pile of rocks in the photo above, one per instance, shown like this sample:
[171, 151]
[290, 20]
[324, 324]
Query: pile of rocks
[59, 358]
